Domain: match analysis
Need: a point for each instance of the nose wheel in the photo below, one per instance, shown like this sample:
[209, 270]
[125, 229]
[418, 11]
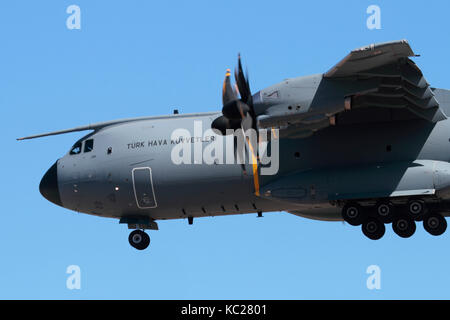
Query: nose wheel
[139, 239]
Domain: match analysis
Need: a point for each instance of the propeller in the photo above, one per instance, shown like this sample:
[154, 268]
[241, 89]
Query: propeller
[239, 113]
[236, 113]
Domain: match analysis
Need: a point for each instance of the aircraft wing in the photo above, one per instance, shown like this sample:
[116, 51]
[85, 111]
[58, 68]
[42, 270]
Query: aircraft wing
[379, 77]
[366, 58]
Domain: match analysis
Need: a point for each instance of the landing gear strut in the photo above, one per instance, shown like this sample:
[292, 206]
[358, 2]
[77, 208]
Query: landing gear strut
[139, 239]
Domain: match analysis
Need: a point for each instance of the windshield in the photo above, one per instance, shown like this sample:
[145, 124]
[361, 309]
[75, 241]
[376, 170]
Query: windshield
[89, 145]
[76, 149]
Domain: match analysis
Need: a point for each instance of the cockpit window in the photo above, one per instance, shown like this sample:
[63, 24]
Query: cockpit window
[76, 149]
[89, 145]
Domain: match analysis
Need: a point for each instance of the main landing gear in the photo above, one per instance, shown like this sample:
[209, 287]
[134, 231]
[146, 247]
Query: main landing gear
[139, 239]
[373, 217]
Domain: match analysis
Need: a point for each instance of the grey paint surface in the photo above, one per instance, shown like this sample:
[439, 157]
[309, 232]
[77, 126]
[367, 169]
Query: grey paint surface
[371, 127]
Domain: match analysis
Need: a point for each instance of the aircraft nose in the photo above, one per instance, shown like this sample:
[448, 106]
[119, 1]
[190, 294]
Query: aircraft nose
[49, 185]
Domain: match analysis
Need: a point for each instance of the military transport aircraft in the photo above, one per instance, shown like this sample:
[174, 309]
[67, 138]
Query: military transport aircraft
[367, 142]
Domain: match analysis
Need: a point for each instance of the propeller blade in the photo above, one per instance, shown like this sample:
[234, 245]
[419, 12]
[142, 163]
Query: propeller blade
[243, 84]
[239, 155]
[247, 123]
[252, 138]
[228, 93]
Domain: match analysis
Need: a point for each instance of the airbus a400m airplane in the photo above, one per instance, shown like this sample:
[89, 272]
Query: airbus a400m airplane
[366, 142]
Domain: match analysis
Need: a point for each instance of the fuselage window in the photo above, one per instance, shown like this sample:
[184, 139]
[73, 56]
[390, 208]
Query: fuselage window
[76, 149]
[89, 145]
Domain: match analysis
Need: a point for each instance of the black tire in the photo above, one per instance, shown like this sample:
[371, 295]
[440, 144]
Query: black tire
[353, 214]
[373, 228]
[146, 240]
[416, 209]
[404, 226]
[139, 239]
[435, 224]
[384, 211]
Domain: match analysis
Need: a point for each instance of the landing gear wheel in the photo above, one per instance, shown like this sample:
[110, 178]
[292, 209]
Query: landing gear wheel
[353, 214]
[384, 211]
[416, 209]
[404, 226]
[139, 239]
[435, 224]
[373, 228]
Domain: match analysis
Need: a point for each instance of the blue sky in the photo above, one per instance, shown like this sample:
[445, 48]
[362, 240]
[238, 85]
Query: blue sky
[137, 58]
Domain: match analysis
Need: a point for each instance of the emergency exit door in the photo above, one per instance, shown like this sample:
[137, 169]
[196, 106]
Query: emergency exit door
[143, 188]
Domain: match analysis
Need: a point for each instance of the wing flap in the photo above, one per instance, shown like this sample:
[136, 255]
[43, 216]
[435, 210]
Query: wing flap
[376, 76]
[370, 57]
[402, 84]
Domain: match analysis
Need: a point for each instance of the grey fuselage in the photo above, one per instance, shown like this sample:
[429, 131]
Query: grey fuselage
[104, 181]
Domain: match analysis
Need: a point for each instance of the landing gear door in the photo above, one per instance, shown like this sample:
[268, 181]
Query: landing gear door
[143, 188]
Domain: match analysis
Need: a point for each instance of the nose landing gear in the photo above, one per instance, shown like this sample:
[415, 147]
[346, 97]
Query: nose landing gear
[139, 239]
